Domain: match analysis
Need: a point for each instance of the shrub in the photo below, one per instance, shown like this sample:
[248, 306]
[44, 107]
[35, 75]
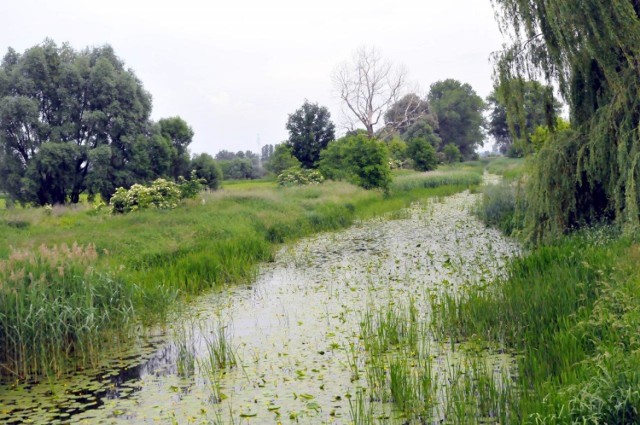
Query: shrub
[422, 153]
[359, 160]
[452, 153]
[501, 207]
[296, 176]
[162, 194]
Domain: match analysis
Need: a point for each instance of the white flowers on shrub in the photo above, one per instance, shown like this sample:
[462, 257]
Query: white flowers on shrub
[162, 194]
[296, 176]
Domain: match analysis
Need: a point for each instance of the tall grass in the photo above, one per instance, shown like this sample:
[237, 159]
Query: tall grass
[56, 307]
[571, 312]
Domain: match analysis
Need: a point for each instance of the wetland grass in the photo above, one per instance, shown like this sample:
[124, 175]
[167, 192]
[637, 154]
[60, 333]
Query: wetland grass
[570, 312]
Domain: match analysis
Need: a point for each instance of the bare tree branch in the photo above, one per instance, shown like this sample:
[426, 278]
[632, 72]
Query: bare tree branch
[368, 85]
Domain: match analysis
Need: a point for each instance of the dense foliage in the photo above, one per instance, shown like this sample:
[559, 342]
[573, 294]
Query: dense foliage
[296, 176]
[161, 194]
[281, 159]
[310, 131]
[459, 111]
[531, 105]
[239, 165]
[590, 49]
[207, 168]
[357, 159]
[422, 153]
[74, 122]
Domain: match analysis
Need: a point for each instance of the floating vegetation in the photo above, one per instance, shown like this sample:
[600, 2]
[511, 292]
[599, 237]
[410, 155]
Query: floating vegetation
[294, 347]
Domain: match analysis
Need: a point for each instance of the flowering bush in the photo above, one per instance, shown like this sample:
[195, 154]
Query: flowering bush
[162, 194]
[296, 176]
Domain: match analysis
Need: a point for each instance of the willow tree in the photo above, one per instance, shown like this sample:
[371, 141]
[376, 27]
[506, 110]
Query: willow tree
[590, 49]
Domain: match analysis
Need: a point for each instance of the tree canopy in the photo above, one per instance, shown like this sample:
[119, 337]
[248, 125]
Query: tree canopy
[406, 112]
[77, 121]
[459, 111]
[310, 131]
[531, 104]
[590, 49]
[359, 160]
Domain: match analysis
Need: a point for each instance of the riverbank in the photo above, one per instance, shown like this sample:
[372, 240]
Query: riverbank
[75, 280]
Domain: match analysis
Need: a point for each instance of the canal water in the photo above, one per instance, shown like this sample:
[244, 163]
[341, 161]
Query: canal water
[283, 348]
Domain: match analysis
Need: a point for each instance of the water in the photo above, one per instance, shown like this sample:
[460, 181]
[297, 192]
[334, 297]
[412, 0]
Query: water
[295, 331]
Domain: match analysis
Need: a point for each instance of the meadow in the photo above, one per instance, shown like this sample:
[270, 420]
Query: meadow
[76, 279]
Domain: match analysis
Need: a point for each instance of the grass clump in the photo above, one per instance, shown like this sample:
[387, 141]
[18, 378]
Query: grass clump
[55, 307]
[502, 207]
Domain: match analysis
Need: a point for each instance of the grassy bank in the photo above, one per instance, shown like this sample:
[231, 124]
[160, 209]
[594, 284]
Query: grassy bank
[59, 308]
[571, 314]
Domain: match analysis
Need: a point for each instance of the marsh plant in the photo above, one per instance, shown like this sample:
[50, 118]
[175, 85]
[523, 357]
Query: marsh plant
[399, 365]
[55, 309]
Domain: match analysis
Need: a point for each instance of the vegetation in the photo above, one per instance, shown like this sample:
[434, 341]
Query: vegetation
[140, 263]
[207, 169]
[368, 85]
[299, 177]
[422, 153]
[589, 173]
[281, 159]
[359, 160]
[239, 165]
[531, 105]
[310, 131]
[568, 311]
[90, 137]
[459, 111]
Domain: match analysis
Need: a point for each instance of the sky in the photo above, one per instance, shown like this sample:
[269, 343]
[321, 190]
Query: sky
[235, 70]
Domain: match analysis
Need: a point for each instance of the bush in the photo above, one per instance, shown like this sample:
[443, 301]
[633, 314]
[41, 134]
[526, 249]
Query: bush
[452, 153]
[359, 160]
[205, 167]
[296, 176]
[281, 160]
[162, 194]
[422, 153]
[501, 207]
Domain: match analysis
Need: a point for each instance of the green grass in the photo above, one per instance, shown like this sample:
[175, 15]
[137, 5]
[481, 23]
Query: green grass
[571, 313]
[510, 169]
[156, 257]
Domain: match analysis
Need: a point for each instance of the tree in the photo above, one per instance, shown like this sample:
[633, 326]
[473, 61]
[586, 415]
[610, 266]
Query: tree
[207, 168]
[408, 111]
[590, 50]
[536, 104]
[368, 86]
[459, 111]
[422, 153]
[310, 131]
[178, 132]
[79, 111]
[267, 152]
[281, 159]
[358, 159]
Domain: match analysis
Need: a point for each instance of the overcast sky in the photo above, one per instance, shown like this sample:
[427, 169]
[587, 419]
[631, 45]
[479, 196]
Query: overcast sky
[234, 70]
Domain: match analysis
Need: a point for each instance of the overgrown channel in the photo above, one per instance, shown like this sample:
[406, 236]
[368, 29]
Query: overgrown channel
[339, 328]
